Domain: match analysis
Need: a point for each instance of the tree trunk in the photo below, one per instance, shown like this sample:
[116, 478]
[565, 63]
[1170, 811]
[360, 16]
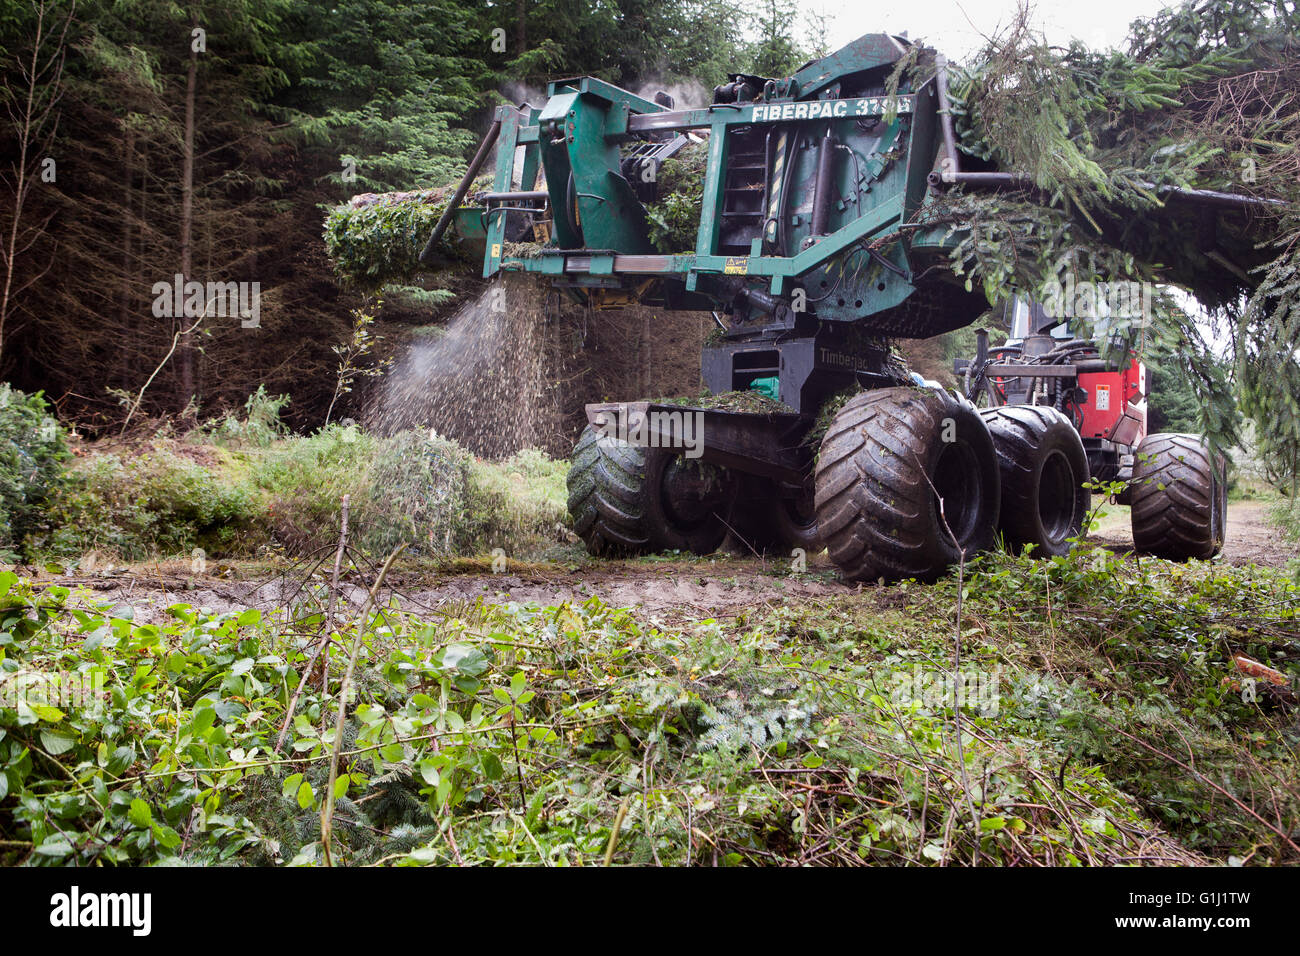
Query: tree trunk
[185, 354]
[42, 86]
[1295, 471]
[128, 185]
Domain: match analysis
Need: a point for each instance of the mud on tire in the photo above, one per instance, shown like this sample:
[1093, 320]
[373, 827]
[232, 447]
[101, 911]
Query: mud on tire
[625, 499]
[878, 470]
[1179, 498]
[605, 485]
[685, 502]
[1043, 467]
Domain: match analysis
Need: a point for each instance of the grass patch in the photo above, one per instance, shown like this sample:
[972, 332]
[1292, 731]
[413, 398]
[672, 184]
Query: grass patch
[1285, 514]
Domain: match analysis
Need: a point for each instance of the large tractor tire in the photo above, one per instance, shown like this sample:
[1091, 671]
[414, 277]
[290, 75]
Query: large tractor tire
[767, 519]
[1179, 498]
[625, 499]
[882, 468]
[605, 484]
[1043, 468]
[777, 525]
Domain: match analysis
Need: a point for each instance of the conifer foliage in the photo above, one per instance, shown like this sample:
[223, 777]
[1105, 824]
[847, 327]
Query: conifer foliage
[1204, 96]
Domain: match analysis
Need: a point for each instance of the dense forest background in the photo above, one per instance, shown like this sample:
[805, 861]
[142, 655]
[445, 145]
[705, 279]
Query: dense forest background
[147, 138]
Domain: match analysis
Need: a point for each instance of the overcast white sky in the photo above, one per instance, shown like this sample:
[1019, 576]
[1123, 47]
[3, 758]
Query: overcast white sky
[956, 28]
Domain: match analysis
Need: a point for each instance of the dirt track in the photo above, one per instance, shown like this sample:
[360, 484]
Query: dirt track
[668, 590]
[1251, 539]
[693, 589]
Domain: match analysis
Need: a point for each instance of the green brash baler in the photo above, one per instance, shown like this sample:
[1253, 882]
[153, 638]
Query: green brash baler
[809, 244]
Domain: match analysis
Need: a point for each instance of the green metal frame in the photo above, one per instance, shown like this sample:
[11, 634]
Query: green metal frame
[592, 136]
[600, 231]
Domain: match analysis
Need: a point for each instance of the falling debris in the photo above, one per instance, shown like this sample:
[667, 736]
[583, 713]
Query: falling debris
[482, 380]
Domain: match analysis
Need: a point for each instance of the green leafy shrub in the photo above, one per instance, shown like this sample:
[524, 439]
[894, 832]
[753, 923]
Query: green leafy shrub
[675, 213]
[377, 239]
[160, 501]
[305, 478]
[33, 447]
[417, 491]
[410, 487]
[520, 499]
[259, 426]
[256, 487]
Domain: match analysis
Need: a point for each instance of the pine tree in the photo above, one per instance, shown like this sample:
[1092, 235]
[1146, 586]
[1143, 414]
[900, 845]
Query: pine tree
[776, 53]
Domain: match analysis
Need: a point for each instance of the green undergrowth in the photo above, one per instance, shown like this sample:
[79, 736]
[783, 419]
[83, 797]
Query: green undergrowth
[33, 449]
[166, 496]
[1286, 516]
[1137, 661]
[1095, 728]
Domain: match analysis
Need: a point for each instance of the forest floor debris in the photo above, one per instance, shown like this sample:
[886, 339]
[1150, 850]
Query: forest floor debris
[808, 725]
[671, 587]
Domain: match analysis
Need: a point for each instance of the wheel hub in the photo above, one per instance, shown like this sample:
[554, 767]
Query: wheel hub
[1056, 496]
[956, 481]
[692, 492]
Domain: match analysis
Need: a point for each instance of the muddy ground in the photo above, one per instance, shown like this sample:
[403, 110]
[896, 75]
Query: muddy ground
[666, 589]
[1252, 538]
